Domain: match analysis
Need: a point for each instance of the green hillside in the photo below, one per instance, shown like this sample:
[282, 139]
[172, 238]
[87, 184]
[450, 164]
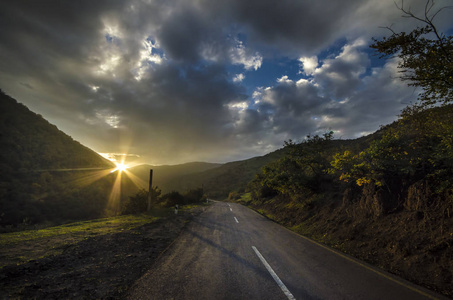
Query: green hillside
[46, 175]
[220, 181]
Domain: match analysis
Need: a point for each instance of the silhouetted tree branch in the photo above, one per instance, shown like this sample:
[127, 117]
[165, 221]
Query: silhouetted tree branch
[426, 56]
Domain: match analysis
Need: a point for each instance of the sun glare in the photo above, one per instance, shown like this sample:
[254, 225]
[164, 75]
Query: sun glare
[120, 167]
[121, 171]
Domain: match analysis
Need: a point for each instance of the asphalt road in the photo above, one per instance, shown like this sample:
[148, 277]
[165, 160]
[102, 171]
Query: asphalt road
[231, 252]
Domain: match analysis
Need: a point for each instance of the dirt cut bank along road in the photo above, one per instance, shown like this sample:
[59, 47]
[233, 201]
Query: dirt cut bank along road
[231, 252]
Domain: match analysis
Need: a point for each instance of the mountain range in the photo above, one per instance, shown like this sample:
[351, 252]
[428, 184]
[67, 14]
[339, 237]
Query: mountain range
[47, 176]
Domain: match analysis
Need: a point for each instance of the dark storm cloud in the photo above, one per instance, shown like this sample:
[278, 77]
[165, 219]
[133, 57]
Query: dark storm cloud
[295, 26]
[306, 27]
[154, 77]
[183, 33]
[292, 107]
[37, 32]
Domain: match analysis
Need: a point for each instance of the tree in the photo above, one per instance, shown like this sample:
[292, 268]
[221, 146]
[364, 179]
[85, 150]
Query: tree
[416, 147]
[310, 155]
[139, 202]
[426, 56]
[303, 171]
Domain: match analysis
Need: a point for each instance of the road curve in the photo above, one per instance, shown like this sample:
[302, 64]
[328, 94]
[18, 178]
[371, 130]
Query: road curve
[231, 252]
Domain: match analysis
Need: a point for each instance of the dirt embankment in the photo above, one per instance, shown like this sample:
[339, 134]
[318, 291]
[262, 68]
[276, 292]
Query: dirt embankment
[100, 267]
[412, 243]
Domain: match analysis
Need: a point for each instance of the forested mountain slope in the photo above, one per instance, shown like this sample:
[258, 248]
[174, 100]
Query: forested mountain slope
[220, 181]
[29, 142]
[34, 187]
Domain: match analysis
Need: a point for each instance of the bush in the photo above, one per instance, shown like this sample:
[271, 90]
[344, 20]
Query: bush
[136, 204]
[139, 202]
[171, 199]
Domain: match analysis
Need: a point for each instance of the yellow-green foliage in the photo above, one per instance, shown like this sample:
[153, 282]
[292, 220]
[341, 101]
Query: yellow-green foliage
[417, 146]
[354, 168]
[245, 198]
[192, 206]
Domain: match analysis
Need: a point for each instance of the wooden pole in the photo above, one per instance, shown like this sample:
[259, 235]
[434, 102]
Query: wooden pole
[150, 190]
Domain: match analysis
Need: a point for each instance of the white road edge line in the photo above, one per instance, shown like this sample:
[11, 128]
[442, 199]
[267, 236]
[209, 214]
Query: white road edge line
[231, 209]
[236, 220]
[274, 275]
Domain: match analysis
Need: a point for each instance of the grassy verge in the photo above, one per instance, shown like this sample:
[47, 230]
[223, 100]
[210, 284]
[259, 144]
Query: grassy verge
[188, 207]
[23, 246]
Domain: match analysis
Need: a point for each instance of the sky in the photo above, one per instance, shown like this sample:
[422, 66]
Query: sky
[175, 81]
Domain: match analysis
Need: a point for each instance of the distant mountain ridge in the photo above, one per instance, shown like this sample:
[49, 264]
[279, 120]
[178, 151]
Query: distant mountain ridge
[167, 173]
[218, 182]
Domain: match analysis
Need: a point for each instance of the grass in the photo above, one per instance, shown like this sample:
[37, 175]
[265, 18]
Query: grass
[193, 205]
[94, 227]
[23, 246]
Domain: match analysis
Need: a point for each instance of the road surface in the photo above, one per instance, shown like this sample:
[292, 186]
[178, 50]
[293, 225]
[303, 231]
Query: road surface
[231, 252]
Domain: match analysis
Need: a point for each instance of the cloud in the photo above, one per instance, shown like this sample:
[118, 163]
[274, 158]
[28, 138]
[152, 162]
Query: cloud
[291, 106]
[284, 79]
[165, 79]
[309, 64]
[297, 108]
[182, 33]
[239, 77]
[306, 27]
[378, 103]
[341, 75]
[240, 55]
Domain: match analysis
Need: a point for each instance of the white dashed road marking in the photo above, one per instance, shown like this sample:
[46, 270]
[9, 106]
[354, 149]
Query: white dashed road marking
[274, 275]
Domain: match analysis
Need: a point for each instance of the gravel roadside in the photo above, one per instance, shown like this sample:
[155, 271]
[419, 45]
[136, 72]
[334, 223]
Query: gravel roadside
[101, 267]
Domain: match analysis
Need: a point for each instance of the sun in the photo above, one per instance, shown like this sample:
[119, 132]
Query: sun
[120, 167]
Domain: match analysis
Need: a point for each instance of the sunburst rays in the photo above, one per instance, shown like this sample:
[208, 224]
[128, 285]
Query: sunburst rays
[120, 173]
